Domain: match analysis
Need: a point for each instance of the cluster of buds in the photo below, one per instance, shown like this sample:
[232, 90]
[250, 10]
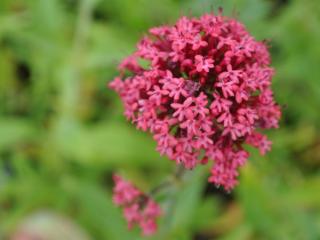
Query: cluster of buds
[138, 208]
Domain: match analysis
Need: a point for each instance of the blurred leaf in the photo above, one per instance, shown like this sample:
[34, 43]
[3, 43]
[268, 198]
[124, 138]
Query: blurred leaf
[13, 131]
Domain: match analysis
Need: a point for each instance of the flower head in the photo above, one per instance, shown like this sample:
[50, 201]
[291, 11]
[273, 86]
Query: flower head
[138, 208]
[205, 93]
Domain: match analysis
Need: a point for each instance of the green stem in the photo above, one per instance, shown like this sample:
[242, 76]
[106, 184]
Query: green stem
[173, 181]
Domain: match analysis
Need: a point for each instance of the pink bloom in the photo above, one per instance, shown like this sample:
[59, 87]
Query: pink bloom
[150, 213]
[242, 94]
[130, 63]
[204, 96]
[157, 94]
[228, 41]
[148, 226]
[219, 104]
[197, 42]
[131, 214]
[234, 130]
[151, 209]
[174, 86]
[183, 110]
[203, 64]
[138, 209]
[228, 88]
[259, 141]
[226, 119]
[124, 192]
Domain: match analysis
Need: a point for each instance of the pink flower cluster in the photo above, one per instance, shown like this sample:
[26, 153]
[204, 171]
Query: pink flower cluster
[138, 209]
[202, 88]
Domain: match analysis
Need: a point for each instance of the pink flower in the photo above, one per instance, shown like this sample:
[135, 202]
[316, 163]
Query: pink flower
[183, 110]
[131, 214]
[197, 42]
[259, 141]
[138, 209]
[123, 191]
[206, 93]
[148, 226]
[157, 94]
[219, 104]
[226, 119]
[151, 209]
[174, 86]
[148, 221]
[203, 64]
[130, 63]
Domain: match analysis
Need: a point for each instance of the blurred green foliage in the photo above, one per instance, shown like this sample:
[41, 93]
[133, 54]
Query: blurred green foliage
[63, 133]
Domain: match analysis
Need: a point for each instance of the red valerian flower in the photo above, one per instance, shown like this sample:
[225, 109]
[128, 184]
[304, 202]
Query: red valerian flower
[138, 208]
[204, 94]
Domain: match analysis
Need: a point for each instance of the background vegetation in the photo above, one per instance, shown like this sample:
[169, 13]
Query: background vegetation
[62, 132]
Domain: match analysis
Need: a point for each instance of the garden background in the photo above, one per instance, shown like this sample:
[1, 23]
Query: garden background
[62, 132]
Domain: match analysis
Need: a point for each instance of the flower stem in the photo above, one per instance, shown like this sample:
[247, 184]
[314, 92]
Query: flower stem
[174, 180]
